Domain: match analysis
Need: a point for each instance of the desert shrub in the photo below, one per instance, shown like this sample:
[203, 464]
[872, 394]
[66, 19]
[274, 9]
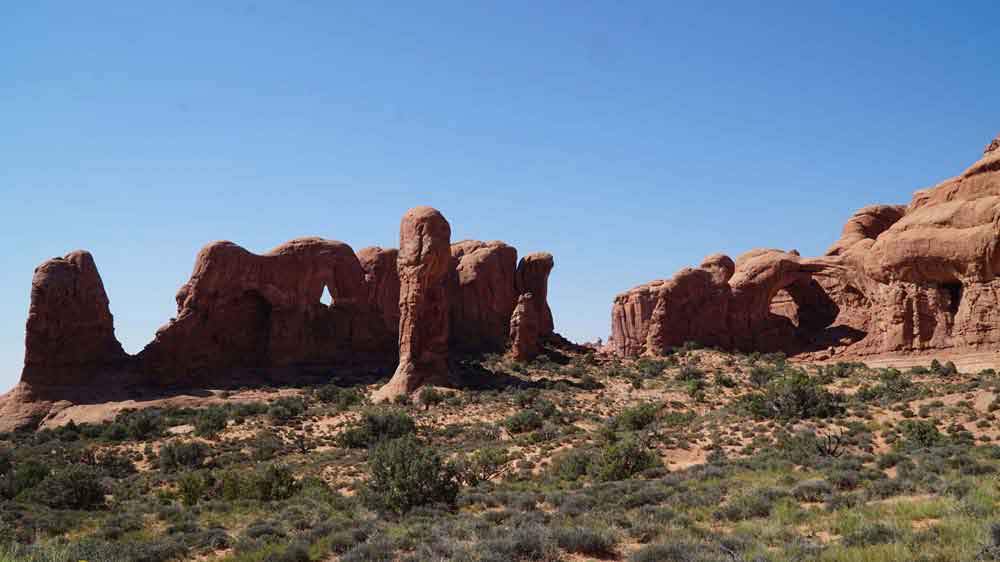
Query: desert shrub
[210, 422]
[114, 464]
[191, 488]
[342, 398]
[812, 491]
[919, 434]
[649, 367]
[73, 487]
[265, 445]
[756, 504]
[286, 408]
[431, 396]
[274, 482]
[760, 376]
[635, 418]
[375, 426]
[138, 425]
[23, 476]
[690, 373]
[572, 464]
[182, 454]
[271, 482]
[530, 542]
[624, 459]
[523, 421]
[871, 533]
[794, 395]
[724, 380]
[484, 464]
[405, 473]
[893, 386]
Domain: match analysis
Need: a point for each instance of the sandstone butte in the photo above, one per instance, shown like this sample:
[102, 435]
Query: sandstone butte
[902, 279]
[245, 319]
[910, 279]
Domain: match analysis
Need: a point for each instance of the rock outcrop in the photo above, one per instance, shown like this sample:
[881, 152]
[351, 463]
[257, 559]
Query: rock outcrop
[423, 264]
[245, 318]
[243, 311]
[532, 276]
[382, 281]
[920, 277]
[524, 329]
[481, 295]
[70, 335]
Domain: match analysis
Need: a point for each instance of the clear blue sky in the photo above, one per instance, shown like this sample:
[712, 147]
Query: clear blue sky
[629, 139]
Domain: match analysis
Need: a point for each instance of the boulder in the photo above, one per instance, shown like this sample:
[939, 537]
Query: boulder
[423, 265]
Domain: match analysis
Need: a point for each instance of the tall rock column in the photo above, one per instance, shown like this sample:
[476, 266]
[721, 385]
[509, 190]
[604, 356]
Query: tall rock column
[423, 264]
[533, 277]
[524, 340]
[70, 336]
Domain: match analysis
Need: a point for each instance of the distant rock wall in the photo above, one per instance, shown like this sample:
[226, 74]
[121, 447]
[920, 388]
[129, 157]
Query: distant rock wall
[914, 278]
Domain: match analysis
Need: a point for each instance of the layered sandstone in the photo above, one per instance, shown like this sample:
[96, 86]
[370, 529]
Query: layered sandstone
[920, 277]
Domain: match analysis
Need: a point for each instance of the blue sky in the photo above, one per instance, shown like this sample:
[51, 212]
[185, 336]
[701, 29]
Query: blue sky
[628, 139]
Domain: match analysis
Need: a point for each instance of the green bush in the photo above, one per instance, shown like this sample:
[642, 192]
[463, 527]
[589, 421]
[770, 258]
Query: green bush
[523, 421]
[181, 454]
[405, 473]
[342, 398]
[376, 426]
[586, 540]
[484, 464]
[794, 395]
[624, 459]
[919, 434]
[635, 418]
[286, 408]
[210, 421]
[74, 487]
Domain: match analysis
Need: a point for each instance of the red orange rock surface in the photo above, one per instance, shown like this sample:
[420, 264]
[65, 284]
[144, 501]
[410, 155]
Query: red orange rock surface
[912, 278]
[245, 318]
[423, 264]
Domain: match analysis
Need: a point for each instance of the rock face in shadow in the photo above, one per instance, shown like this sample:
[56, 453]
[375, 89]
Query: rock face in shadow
[246, 318]
[914, 278]
[423, 264]
[70, 333]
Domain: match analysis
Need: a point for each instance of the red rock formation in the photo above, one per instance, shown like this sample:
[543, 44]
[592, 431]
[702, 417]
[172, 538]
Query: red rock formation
[910, 278]
[245, 318]
[423, 264]
[382, 281]
[532, 276]
[481, 295]
[524, 329]
[70, 331]
[245, 311]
